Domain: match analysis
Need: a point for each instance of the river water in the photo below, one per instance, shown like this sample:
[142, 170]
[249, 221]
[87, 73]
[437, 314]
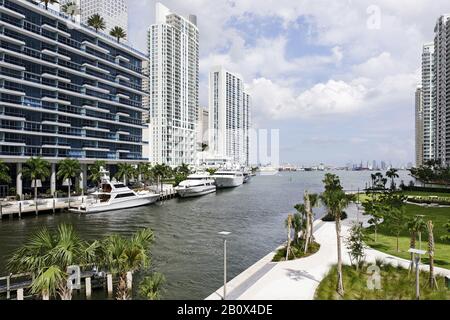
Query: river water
[187, 248]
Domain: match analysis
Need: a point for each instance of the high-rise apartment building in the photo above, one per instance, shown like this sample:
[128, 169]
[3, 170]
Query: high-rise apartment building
[419, 127]
[66, 91]
[229, 116]
[426, 106]
[115, 12]
[441, 90]
[173, 44]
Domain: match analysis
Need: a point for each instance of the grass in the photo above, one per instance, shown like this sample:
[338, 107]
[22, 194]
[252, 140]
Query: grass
[363, 197]
[297, 250]
[396, 284]
[386, 241]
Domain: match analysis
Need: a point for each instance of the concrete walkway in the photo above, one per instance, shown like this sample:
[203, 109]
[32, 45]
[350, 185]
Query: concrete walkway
[299, 279]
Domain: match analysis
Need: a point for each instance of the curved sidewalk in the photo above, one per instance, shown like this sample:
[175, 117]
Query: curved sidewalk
[299, 279]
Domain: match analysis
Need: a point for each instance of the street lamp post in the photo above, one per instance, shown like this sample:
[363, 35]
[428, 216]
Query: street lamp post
[224, 234]
[417, 254]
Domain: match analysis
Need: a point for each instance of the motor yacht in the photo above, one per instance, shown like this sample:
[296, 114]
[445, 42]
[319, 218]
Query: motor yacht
[197, 184]
[114, 196]
[228, 179]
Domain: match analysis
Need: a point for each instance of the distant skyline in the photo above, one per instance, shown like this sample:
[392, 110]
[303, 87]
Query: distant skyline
[337, 78]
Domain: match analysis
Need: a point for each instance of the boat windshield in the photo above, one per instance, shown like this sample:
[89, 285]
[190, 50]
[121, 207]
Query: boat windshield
[120, 185]
[106, 188]
[104, 197]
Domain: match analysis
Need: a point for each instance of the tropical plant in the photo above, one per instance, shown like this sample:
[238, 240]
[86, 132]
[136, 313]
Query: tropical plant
[183, 168]
[415, 226]
[36, 169]
[69, 8]
[124, 172]
[47, 255]
[355, 244]
[95, 174]
[67, 170]
[432, 279]
[4, 172]
[289, 228]
[396, 220]
[211, 171]
[118, 33]
[335, 200]
[97, 22]
[162, 171]
[142, 171]
[299, 222]
[374, 208]
[121, 255]
[151, 287]
[392, 174]
[47, 2]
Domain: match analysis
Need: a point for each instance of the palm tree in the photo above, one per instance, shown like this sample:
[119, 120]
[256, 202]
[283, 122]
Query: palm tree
[432, 279]
[142, 171]
[308, 220]
[299, 221]
[4, 172]
[47, 2]
[67, 170]
[36, 169]
[162, 171]
[69, 8]
[97, 22]
[392, 174]
[374, 178]
[118, 33]
[335, 200]
[150, 287]
[125, 171]
[121, 255]
[47, 255]
[288, 227]
[184, 169]
[415, 226]
[95, 171]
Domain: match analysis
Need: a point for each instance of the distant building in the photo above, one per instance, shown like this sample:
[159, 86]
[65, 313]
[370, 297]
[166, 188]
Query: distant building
[419, 128]
[173, 44]
[441, 89]
[229, 116]
[426, 105]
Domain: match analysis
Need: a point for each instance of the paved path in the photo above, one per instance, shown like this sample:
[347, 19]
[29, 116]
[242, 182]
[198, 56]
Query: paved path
[299, 279]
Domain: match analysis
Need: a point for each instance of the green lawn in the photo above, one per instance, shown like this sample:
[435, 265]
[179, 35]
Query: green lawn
[363, 197]
[396, 284]
[386, 241]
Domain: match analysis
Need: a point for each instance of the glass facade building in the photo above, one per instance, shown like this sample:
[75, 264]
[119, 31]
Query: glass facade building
[66, 91]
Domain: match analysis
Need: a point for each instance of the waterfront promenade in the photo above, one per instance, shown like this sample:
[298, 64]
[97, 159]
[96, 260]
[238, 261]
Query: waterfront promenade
[299, 279]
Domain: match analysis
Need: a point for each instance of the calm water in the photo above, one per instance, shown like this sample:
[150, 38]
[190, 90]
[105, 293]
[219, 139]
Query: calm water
[187, 248]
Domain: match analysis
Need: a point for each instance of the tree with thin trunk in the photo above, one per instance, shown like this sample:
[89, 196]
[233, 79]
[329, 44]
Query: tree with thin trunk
[313, 201]
[95, 171]
[97, 22]
[4, 173]
[67, 170]
[396, 221]
[121, 255]
[308, 221]
[355, 244]
[47, 256]
[392, 174]
[47, 2]
[335, 200]
[70, 8]
[151, 287]
[36, 169]
[432, 280]
[415, 225]
[118, 33]
[288, 227]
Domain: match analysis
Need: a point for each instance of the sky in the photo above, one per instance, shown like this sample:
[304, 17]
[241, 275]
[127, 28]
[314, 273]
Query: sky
[336, 77]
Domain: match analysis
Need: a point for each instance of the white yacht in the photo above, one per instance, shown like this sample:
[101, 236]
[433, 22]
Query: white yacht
[114, 196]
[268, 171]
[197, 184]
[228, 179]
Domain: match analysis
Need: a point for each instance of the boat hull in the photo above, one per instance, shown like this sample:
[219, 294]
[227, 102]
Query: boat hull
[125, 204]
[229, 182]
[195, 191]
